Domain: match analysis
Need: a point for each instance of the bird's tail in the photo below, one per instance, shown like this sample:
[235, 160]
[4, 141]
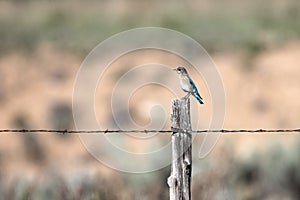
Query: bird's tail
[199, 98]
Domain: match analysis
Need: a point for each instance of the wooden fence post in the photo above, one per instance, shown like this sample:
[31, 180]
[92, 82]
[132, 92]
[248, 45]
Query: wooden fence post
[180, 179]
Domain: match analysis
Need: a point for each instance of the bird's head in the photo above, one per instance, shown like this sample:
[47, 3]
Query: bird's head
[180, 70]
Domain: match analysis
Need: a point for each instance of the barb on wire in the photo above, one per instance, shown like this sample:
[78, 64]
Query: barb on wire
[106, 131]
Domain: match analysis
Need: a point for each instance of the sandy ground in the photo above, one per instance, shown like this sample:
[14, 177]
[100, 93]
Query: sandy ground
[265, 95]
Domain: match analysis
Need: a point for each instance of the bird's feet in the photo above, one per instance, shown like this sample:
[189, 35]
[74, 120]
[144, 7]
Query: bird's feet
[187, 96]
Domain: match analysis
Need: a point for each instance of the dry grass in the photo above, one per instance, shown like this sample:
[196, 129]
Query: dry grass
[256, 51]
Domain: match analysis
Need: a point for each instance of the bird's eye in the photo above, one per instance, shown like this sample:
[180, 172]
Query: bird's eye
[179, 69]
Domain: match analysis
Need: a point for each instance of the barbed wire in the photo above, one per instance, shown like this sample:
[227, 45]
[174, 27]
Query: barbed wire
[107, 131]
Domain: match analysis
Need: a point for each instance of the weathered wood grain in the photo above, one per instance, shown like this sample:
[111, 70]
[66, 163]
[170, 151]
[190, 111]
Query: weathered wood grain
[180, 178]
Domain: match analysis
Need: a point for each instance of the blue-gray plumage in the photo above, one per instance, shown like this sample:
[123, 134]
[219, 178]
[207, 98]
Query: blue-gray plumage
[187, 84]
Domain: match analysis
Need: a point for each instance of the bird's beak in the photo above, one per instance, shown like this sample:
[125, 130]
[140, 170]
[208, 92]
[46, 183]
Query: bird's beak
[174, 69]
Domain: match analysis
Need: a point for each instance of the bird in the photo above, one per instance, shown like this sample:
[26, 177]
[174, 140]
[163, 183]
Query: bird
[187, 84]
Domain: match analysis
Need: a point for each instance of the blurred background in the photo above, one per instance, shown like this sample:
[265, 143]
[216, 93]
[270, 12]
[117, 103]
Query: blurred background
[255, 44]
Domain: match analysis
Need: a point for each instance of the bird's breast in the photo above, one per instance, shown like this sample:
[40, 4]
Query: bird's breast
[185, 83]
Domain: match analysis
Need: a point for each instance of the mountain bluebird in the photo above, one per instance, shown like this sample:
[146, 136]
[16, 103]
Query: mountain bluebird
[187, 84]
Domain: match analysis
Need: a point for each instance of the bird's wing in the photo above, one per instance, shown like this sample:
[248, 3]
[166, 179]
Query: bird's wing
[195, 92]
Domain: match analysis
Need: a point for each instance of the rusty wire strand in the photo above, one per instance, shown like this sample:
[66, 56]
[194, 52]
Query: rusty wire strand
[106, 131]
